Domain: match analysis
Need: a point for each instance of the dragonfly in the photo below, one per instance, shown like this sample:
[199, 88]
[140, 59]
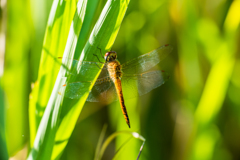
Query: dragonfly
[116, 82]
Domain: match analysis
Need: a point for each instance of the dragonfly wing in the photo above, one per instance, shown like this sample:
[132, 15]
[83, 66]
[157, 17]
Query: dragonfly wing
[76, 90]
[86, 67]
[146, 61]
[140, 84]
[103, 91]
[104, 73]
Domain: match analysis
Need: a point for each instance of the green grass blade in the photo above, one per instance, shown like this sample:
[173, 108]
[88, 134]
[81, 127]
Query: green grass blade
[57, 30]
[99, 152]
[15, 42]
[44, 141]
[88, 24]
[3, 145]
[100, 141]
[102, 36]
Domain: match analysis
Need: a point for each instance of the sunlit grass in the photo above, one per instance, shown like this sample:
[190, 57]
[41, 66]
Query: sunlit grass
[57, 126]
[195, 115]
[60, 19]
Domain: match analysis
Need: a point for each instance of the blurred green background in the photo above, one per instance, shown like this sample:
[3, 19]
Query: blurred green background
[195, 115]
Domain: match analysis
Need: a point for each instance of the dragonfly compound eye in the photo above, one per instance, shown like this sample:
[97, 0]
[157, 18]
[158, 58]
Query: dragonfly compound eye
[110, 56]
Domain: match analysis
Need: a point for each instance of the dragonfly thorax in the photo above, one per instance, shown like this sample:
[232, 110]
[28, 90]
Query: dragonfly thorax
[110, 56]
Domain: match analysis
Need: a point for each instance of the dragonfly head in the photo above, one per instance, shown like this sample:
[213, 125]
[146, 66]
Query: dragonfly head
[110, 56]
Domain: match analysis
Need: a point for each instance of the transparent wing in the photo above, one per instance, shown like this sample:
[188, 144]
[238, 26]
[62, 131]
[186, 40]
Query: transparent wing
[104, 73]
[140, 84]
[76, 90]
[85, 66]
[132, 86]
[103, 90]
[146, 61]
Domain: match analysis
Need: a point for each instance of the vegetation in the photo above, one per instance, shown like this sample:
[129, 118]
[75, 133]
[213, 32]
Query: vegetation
[194, 115]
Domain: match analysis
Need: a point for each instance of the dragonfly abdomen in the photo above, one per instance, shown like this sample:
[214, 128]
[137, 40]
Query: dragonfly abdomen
[118, 86]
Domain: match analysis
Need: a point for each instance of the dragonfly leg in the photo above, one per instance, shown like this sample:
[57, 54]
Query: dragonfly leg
[100, 52]
[98, 58]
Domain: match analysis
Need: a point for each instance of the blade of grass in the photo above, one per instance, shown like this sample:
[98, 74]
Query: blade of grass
[82, 39]
[102, 36]
[88, 24]
[100, 140]
[3, 146]
[16, 46]
[137, 136]
[57, 30]
[44, 141]
[99, 152]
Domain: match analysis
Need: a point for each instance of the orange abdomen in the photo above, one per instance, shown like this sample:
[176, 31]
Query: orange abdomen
[118, 86]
